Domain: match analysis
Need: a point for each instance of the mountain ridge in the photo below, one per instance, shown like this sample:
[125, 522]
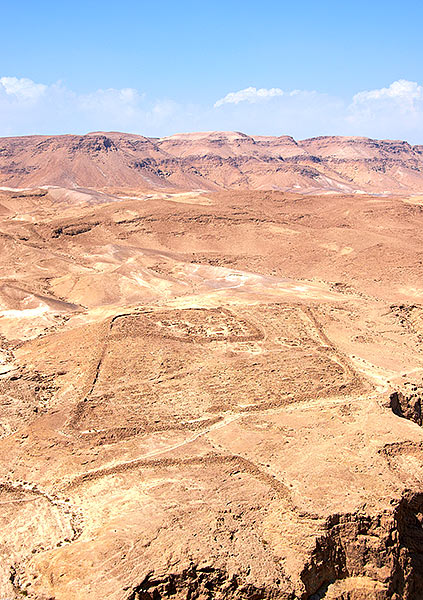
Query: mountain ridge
[212, 161]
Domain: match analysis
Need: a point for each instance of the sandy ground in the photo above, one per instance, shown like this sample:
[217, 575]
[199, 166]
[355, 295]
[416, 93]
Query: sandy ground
[196, 395]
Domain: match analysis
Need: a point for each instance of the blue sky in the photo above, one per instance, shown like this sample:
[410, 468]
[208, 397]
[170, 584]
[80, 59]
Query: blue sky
[270, 67]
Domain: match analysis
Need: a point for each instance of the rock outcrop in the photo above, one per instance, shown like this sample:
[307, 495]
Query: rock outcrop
[407, 402]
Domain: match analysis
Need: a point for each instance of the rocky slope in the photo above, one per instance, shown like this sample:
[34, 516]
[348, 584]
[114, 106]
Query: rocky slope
[211, 161]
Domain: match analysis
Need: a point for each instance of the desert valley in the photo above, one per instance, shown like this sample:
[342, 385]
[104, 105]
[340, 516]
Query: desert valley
[211, 368]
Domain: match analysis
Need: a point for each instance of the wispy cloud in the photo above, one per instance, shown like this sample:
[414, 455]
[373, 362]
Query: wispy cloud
[28, 107]
[31, 107]
[250, 94]
[22, 89]
[392, 111]
[404, 93]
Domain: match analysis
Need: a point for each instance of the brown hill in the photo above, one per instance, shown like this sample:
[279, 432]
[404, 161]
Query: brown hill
[212, 161]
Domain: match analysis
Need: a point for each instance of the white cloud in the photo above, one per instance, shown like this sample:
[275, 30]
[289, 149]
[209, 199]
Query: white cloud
[395, 111]
[249, 94]
[274, 111]
[27, 107]
[388, 112]
[121, 104]
[402, 91]
[23, 88]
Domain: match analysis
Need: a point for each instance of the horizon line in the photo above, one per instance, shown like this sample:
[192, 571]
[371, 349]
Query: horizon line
[209, 132]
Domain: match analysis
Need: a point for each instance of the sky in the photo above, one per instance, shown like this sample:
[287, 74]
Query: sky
[262, 67]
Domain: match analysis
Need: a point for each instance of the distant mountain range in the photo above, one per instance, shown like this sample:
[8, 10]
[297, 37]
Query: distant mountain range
[212, 161]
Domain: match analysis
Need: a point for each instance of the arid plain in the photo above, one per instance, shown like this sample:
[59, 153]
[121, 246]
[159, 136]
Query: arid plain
[211, 368]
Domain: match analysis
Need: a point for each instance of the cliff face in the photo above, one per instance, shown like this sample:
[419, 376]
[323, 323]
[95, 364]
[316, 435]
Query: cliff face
[376, 558]
[407, 403]
[209, 161]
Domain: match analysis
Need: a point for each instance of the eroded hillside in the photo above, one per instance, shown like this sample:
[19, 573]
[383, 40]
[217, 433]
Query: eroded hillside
[213, 161]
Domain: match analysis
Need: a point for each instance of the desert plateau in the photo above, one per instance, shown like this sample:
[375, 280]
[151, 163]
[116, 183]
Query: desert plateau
[211, 368]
